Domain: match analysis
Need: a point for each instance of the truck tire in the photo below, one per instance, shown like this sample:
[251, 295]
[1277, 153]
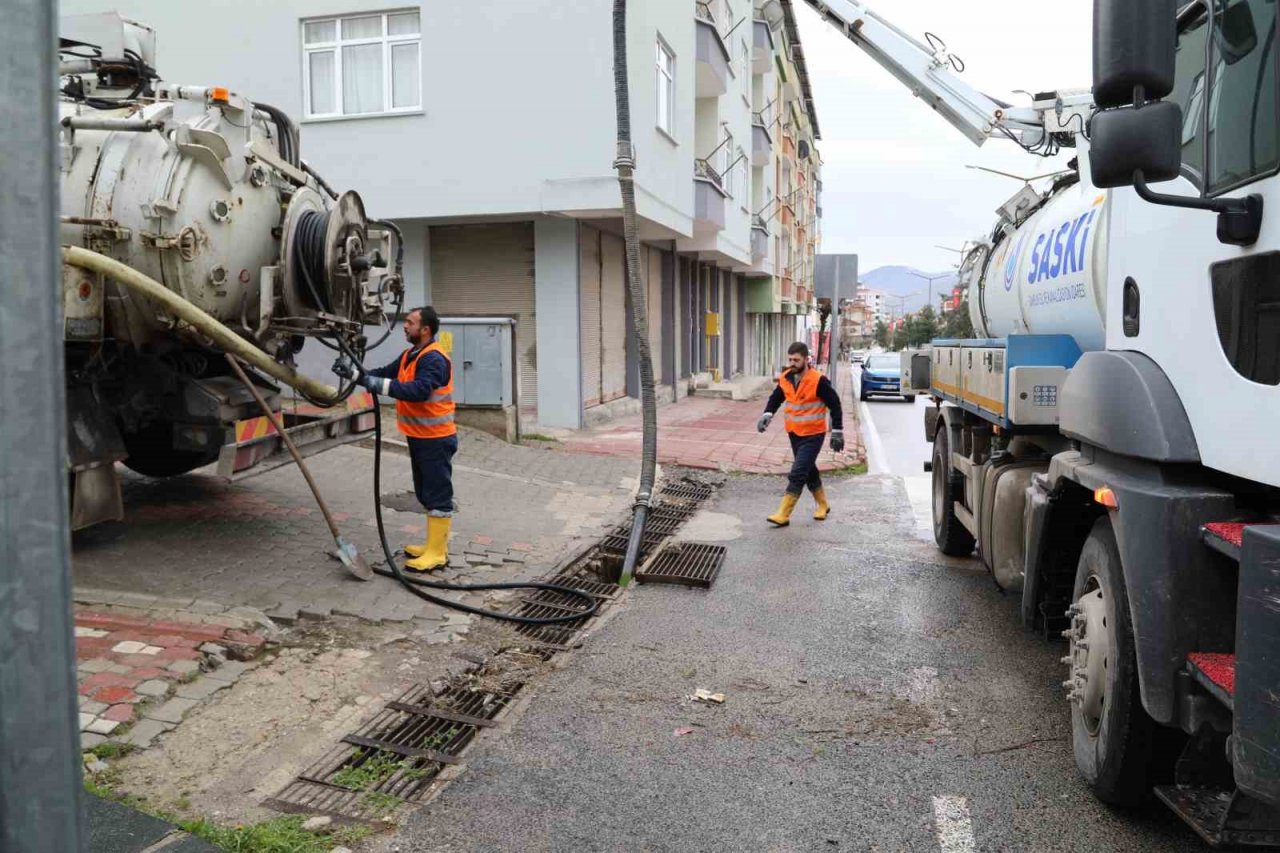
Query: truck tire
[1111, 734]
[953, 538]
[151, 452]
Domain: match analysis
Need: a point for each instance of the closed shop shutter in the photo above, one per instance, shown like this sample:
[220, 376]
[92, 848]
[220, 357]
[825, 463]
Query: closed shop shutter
[656, 260]
[488, 270]
[589, 272]
[613, 318]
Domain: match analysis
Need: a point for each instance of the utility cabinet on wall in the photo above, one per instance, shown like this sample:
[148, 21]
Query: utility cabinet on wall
[481, 349]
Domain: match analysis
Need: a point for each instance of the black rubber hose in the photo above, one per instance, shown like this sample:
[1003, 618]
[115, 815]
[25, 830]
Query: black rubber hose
[287, 132]
[411, 583]
[625, 164]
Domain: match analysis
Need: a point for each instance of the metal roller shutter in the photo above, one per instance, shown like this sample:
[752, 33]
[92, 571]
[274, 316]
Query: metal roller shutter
[589, 281]
[488, 269]
[613, 318]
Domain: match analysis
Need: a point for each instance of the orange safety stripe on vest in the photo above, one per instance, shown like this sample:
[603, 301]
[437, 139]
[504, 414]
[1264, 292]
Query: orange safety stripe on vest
[430, 418]
[804, 412]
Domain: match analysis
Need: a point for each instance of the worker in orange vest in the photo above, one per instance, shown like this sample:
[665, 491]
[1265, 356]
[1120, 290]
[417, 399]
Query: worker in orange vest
[810, 399]
[421, 381]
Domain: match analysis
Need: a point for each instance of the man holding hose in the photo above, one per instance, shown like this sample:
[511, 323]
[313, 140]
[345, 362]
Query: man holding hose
[810, 398]
[421, 382]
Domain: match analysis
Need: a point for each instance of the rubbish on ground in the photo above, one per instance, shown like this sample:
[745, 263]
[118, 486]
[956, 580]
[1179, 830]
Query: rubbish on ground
[682, 732]
[707, 697]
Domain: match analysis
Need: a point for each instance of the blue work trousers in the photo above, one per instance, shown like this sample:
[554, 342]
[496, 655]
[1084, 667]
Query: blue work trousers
[804, 470]
[433, 472]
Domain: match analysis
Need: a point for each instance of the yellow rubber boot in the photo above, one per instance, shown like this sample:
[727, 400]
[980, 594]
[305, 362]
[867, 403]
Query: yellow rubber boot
[782, 517]
[436, 555]
[412, 551]
[823, 509]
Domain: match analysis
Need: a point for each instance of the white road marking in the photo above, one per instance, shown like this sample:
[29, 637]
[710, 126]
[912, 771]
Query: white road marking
[920, 492]
[952, 825]
[876, 461]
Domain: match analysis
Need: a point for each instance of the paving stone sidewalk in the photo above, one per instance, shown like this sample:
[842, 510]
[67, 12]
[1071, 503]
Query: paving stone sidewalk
[261, 543]
[138, 677]
[720, 435]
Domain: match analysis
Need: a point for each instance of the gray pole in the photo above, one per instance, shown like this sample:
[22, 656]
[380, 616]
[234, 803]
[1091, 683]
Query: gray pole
[834, 347]
[40, 791]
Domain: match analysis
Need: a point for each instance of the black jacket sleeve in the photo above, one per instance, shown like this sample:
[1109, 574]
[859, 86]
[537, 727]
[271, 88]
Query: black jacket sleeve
[775, 400]
[827, 394]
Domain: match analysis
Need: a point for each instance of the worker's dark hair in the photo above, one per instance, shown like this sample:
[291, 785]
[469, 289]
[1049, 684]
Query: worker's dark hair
[798, 347]
[428, 315]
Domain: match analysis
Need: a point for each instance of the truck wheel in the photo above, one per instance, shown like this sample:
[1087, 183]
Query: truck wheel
[953, 538]
[151, 452]
[1110, 731]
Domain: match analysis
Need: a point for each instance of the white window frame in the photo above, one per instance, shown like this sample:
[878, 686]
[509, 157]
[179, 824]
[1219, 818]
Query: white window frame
[335, 47]
[669, 81]
[727, 171]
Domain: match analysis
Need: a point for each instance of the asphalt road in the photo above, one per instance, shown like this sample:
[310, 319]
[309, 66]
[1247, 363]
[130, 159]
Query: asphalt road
[879, 697]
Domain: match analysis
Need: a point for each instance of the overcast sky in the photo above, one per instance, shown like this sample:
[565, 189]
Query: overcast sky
[893, 173]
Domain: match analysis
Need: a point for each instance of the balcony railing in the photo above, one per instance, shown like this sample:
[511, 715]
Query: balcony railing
[758, 223]
[702, 10]
[703, 169]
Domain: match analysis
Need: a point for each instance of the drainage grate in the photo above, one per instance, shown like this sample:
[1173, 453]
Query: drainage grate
[546, 603]
[688, 563]
[685, 492]
[394, 757]
[584, 579]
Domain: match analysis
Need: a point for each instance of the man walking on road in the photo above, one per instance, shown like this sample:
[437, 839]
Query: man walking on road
[421, 382]
[810, 398]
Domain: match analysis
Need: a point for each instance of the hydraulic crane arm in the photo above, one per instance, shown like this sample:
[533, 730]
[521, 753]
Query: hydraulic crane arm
[930, 73]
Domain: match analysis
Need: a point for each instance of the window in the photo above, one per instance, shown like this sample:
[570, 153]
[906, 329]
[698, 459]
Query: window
[1230, 121]
[740, 165]
[729, 167]
[1242, 99]
[362, 65]
[666, 89]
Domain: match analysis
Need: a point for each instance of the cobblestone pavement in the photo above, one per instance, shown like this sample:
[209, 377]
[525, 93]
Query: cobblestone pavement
[138, 677]
[719, 435]
[261, 543]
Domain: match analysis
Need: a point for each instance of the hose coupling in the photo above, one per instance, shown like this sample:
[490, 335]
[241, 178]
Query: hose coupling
[626, 158]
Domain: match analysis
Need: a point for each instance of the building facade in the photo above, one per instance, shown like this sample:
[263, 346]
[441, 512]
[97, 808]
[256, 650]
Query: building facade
[486, 131]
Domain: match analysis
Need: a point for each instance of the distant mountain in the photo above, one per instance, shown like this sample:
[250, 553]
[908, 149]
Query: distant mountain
[900, 281]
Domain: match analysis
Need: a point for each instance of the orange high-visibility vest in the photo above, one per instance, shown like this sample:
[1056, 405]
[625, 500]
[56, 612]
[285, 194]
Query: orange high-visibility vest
[804, 413]
[433, 417]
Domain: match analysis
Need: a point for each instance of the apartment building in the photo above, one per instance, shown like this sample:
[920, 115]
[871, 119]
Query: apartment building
[486, 131]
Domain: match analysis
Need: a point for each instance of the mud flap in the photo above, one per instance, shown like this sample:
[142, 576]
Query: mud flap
[94, 446]
[1256, 739]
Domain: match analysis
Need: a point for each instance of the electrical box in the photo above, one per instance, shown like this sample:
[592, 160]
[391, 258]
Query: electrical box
[1034, 393]
[482, 352]
[712, 323]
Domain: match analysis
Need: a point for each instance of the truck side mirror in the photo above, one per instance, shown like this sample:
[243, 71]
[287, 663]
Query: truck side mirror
[1136, 138]
[1145, 139]
[1134, 42]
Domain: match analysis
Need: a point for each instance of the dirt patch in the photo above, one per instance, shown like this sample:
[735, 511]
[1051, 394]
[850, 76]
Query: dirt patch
[323, 682]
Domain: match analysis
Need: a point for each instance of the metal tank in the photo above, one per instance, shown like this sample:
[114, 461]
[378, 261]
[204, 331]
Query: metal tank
[204, 193]
[1047, 276]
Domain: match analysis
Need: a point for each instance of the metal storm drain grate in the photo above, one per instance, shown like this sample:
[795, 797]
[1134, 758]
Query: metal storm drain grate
[393, 758]
[546, 603]
[687, 492]
[688, 563]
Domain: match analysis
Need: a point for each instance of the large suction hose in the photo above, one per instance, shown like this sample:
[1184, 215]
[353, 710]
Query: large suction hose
[202, 322]
[625, 163]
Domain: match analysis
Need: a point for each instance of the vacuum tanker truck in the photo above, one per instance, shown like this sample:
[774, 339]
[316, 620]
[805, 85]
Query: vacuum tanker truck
[193, 228]
[1106, 445]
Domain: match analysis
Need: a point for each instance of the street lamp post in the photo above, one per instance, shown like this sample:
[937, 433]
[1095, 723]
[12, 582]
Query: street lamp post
[931, 279]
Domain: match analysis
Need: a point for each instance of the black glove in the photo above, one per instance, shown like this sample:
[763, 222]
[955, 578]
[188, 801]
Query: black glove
[373, 383]
[837, 440]
[344, 368]
[763, 423]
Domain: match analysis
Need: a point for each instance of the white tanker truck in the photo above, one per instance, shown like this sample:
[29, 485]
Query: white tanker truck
[192, 228]
[1109, 443]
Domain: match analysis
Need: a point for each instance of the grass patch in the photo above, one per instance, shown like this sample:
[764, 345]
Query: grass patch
[537, 436]
[380, 804]
[278, 835]
[113, 749]
[373, 772]
[860, 468]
